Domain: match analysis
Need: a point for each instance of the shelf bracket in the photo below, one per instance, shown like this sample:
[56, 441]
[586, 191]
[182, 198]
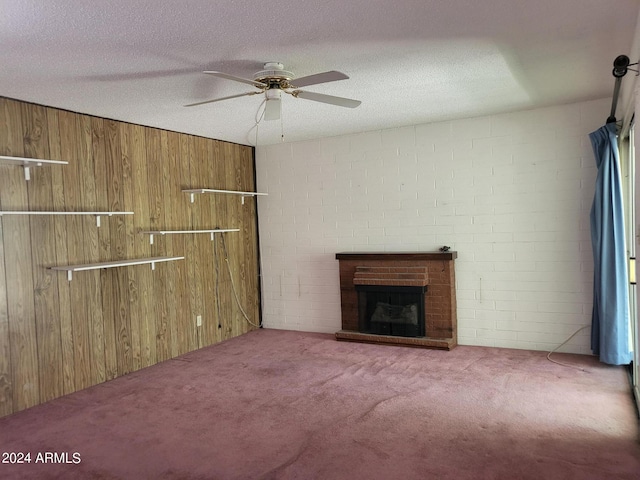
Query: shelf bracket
[153, 265]
[151, 239]
[69, 275]
[27, 170]
[193, 197]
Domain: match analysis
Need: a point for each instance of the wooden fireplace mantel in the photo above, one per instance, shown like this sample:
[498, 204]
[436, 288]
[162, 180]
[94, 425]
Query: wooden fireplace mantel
[401, 256]
[440, 299]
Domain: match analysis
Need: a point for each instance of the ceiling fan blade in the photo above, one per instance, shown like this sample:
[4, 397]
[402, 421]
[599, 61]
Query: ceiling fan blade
[272, 109]
[320, 97]
[324, 77]
[222, 98]
[235, 79]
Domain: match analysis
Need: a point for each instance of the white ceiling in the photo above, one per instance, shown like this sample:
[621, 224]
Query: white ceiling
[409, 61]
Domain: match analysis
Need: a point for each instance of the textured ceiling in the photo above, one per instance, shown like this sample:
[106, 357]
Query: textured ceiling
[410, 61]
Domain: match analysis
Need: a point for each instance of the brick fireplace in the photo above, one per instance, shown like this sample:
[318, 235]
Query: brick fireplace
[432, 272]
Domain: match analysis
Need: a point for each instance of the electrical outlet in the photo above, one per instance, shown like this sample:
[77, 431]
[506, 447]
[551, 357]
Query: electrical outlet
[199, 321]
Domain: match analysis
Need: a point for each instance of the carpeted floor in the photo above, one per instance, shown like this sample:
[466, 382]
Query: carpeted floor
[292, 405]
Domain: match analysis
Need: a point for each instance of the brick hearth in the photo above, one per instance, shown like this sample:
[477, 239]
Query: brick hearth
[434, 269]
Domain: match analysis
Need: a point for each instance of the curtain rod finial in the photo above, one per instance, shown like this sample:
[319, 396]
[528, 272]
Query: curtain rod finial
[620, 65]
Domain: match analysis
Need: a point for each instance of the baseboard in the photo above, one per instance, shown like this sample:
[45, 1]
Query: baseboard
[301, 328]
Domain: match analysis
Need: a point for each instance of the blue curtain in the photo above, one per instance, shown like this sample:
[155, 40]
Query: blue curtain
[610, 316]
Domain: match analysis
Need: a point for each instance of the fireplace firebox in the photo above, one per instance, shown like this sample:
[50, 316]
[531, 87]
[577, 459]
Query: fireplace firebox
[391, 310]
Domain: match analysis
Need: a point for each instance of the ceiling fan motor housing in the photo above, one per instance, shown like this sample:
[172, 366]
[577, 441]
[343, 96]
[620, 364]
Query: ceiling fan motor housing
[274, 75]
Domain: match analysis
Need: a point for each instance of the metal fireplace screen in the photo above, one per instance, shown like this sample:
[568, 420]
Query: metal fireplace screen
[391, 310]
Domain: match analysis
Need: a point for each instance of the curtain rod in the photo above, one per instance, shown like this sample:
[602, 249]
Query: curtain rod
[620, 67]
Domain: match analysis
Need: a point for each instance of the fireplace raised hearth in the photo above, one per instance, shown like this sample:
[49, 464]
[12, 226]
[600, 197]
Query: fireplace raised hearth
[398, 298]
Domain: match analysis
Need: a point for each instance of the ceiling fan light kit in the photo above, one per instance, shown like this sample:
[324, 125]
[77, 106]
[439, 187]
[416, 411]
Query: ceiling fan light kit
[274, 80]
[272, 106]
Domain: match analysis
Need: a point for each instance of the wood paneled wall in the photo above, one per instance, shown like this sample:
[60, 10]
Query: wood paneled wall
[56, 336]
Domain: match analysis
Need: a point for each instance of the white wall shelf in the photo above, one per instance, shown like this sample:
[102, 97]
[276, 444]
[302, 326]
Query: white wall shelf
[118, 263]
[27, 163]
[193, 192]
[97, 214]
[170, 232]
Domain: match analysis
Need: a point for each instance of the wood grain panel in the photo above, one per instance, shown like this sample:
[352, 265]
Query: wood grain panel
[34, 125]
[117, 280]
[61, 256]
[142, 294]
[110, 298]
[127, 151]
[70, 135]
[214, 264]
[19, 269]
[247, 268]
[208, 218]
[6, 377]
[156, 211]
[167, 168]
[186, 321]
[235, 213]
[127, 233]
[233, 243]
[100, 254]
[91, 290]
[223, 207]
[251, 266]
[6, 383]
[191, 251]
[176, 292]
[56, 336]
[201, 276]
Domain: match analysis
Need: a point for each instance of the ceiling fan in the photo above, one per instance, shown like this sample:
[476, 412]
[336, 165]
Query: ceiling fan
[274, 80]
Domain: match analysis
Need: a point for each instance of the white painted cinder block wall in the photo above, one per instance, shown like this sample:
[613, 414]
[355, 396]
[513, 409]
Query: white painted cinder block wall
[510, 193]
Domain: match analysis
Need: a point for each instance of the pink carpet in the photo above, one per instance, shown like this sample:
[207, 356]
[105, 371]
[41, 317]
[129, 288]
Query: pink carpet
[292, 405]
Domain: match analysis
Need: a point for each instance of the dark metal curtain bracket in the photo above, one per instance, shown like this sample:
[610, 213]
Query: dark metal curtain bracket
[620, 68]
